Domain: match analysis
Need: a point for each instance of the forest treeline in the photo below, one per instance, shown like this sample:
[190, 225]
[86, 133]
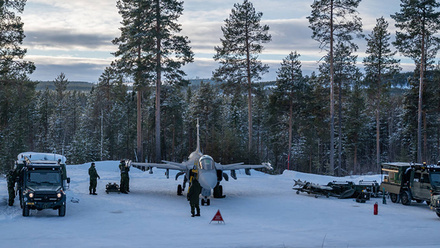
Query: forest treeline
[101, 124]
[344, 118]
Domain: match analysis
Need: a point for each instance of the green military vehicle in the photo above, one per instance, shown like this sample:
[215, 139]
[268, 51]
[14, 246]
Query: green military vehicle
[406, 182]
[42, 181]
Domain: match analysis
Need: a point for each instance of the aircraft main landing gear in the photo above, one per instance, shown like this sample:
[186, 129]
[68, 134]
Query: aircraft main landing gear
[179, 189]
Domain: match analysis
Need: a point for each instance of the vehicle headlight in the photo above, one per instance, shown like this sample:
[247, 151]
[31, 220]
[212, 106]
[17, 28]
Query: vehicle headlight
[59, 195]
[31, 195]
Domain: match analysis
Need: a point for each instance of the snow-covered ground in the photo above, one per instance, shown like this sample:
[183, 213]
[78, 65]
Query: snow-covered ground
[259, 211]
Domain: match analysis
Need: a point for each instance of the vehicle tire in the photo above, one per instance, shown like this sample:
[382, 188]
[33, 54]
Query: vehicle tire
[297, 192]
[208, 202]
[428, 203]
[179, 189]
[62, 210]
[404, 197]
[25, 211]
[203, 202]
[394, 198]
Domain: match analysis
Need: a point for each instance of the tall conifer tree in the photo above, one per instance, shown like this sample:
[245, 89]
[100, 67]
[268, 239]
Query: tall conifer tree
[418, 22]
[289, 81]
[150, 48]
[238, 53]
[380, 65]
[332, 20]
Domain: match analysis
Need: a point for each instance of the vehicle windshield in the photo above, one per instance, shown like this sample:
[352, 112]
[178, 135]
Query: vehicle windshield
[43, 178]
[435, 179]
[206, 163]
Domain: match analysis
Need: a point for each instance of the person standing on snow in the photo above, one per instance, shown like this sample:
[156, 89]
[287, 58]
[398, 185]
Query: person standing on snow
[124, 177]
[93, 179]
[11, 185]
[193, 195]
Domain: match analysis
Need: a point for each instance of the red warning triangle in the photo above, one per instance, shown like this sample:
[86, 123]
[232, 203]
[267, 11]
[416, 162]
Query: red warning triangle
[218, 217]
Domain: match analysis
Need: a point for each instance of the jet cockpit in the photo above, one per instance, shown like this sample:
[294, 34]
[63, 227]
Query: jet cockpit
[206, 163]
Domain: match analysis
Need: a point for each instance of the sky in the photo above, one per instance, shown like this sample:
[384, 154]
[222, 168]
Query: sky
[74, 37]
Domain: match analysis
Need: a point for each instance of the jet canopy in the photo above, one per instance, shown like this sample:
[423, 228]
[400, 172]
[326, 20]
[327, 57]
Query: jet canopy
[206, 163]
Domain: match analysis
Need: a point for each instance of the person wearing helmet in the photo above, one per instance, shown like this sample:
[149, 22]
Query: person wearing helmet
[11, 185]
[193, 195]
[93, 179]
[123, 167]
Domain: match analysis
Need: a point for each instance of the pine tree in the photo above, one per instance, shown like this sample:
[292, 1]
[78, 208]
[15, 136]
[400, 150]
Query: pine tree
[380, 66]
[332, 20]
[289, 82]
[150, 48]
[418, 22]
[16, 91]
[238, 53]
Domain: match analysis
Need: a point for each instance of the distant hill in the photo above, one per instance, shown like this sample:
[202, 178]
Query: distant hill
[73, 85]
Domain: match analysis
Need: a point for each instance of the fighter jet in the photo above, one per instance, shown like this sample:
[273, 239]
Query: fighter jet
[208, 172]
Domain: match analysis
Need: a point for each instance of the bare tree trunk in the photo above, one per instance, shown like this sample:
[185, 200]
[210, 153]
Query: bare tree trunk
[340, 130]
[332, 100]
[248, 69]
[378, 121]
[290, 133]
[419, 114]
[139, 114]
[139, 124]
[158, 82]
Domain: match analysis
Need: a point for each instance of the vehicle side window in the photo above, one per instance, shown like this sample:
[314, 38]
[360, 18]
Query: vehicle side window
[417, 177]
[425, 178]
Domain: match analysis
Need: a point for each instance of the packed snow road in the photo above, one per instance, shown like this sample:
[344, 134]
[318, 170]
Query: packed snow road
[259, 211]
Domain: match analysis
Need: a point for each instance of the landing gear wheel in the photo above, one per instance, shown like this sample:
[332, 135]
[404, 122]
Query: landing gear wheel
[394, 198]
[25, 211]
[179, 189]
[62, 211]
[404, 197]
[208, 202]
[203, 202]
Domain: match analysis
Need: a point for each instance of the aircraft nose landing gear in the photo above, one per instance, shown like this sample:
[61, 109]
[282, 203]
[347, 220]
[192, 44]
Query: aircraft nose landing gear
[206, 201]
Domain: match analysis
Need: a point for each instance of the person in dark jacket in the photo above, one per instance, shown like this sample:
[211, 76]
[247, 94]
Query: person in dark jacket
[193, 196]
[11, 185]
[93, 179]
[124, 168]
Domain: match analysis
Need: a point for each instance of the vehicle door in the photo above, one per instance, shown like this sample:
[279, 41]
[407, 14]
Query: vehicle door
[421, 186]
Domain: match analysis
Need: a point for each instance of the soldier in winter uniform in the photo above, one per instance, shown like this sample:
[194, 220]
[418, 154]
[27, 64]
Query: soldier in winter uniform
[193, 195]
[124, 168]
[11, 185]
[93, 179]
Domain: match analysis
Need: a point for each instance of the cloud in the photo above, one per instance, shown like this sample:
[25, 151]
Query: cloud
[67, 39]
[64, 36]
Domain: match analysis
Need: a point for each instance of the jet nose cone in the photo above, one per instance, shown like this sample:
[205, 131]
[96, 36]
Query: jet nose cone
[208, 179]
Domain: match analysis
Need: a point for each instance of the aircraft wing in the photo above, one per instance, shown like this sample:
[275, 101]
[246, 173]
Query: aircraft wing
[166, 165]
[241, 165]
